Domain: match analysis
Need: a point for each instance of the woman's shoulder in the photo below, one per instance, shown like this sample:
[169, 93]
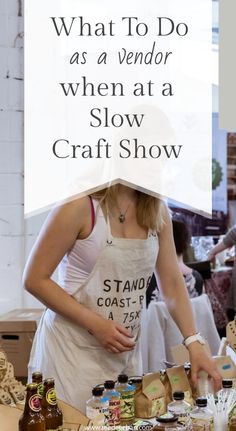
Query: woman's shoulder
[70, 216]
[76, 207]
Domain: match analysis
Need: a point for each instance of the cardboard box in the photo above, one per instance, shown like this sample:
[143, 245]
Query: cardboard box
[17, 329]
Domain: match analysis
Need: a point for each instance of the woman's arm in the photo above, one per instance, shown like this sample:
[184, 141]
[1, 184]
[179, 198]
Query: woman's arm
[178, 303]
[230, 238]
[221, 246]
[57, 236]
[228, 241]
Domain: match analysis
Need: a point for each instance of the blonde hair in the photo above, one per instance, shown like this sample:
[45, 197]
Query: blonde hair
[150, 210]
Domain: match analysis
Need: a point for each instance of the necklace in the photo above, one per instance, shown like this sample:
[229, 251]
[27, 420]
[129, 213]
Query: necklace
[123, 214]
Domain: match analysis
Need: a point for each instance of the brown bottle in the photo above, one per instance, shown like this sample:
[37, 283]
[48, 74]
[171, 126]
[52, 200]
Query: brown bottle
[37, 377]
[52, 413]
[32, 418]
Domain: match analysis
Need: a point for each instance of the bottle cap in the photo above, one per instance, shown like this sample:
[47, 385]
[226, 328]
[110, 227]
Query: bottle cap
[109, 384]
[201, 402]
[49, 381]
[187, 366]
[97, 392]
[37, 373]
[122, 378]
[227, 383]
[32, 386]
[178, 395]
[135, 380]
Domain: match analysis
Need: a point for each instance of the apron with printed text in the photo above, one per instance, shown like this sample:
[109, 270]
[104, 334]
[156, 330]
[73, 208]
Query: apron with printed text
[115, 289]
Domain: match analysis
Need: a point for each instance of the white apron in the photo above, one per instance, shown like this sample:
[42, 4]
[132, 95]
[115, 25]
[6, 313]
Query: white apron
[116, 290]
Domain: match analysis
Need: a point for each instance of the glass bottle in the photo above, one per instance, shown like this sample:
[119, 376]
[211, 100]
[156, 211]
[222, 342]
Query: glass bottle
[37, 377]
[201, 416]
[113, 397]
[51, 411]
[180, 408]
[127, 399]
[32, 418]
[97, 407]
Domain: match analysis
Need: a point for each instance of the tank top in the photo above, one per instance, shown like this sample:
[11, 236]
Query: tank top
[79, 261]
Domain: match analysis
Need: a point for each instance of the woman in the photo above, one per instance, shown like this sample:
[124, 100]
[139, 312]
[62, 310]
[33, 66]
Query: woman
[228, 241]
[90, 331]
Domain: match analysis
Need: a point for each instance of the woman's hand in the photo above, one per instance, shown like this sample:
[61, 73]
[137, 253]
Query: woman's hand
[211, 256]
[114, 337]
[201, 360]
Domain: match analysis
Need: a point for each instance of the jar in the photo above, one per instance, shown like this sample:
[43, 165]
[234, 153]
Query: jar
[168, 421]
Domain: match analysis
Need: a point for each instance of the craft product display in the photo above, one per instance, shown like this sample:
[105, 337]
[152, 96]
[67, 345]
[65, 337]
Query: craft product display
[181, 410]
[165, 400]
[125, 404]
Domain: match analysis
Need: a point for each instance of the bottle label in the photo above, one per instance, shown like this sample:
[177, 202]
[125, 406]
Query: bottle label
[51, 397]
[114, 412]
[158, 407]
[184, 419]
[127, 405]
[188, 398]
[202, 424]
[34, 403]
[100, 414]
[40, 390]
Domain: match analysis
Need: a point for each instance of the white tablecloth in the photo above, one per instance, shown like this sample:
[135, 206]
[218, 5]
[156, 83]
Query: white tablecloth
[160, 333]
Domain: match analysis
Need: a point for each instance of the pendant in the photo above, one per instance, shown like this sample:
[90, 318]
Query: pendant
[121, 218]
